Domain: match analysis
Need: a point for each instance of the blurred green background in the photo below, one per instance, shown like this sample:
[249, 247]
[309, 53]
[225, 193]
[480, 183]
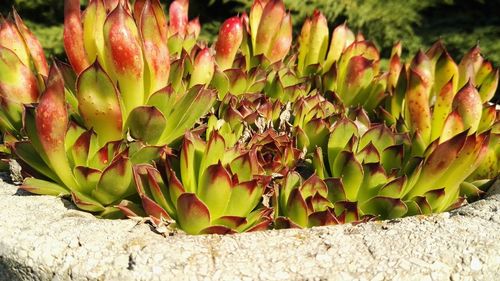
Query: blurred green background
[418, 23]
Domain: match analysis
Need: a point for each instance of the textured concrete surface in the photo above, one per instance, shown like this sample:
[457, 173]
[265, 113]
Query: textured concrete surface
[42, 238]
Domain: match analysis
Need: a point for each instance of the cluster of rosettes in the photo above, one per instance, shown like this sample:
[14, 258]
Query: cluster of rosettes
[252, 132]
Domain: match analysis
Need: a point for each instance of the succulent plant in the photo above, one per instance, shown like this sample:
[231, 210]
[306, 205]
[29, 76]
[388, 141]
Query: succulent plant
[315, 51]
[161, 119]
[216, 189]
[270, 29]
[124, 83]
[22, 70]
[382, 173]
[347, 65]
[249, 108]
[248, 72]
[276, 153]
[131, 45]
[183, 33]
[305, 203]
[65, 158]
[245, 134]
[313, 116]
[439, 98]
[489, 168]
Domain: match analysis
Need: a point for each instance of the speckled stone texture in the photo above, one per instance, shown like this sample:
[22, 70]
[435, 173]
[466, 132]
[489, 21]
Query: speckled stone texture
[45, 238]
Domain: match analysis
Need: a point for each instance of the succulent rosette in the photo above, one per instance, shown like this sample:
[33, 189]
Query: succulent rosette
[276, 153]
[129, 82]
[66, 159]
[182, 32]
[130, 43]
[161, 120]
[387, 176]
[437, 99]
[214, 189]
[312, 119]
[249, 108]
[345, 64]
[306, 203]
[246, 72]
[441, 98]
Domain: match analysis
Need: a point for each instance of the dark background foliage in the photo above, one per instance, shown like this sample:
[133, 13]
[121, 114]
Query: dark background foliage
[418, 23]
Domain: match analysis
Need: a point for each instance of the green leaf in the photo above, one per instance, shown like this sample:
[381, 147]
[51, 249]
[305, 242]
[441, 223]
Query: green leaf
[146, 123]
[373, 179]
[394, 188]
[435, 198]
[87, 178]
[159, 191]
[193, 214]
[191, 155]
[187, 112]
[145, 154]
[468, 104]
[115, 183]
[296, 209]
[100, 104]
[380, 136]
[417, 105]
[42, 187]
[470, 191]
[27, 153]
[342, 132]
[164, 100]
[86, 203]
[351, 172]
[51, 123]
[244, 198]
[154, 210]
[418, 206]
[220, 82]
[346, 211]
[80, 151]
[392, 157]
[384, 207]
[291, 182]
[489, 86]
[322, 218]
[214, 152]
[437, 163]
[231, 222]
[312, 186]
[336, 190]
[369, 154]
[442, 109]
[215, 189]
[245, 166]
[237, 81]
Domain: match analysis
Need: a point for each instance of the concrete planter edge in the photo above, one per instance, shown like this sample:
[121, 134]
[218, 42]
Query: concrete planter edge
[44, 238]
